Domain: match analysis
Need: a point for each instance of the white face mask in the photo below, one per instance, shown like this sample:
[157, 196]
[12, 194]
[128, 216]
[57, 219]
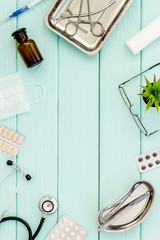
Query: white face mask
[12, 96]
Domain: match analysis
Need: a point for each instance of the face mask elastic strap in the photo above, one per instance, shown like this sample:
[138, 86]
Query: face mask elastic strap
[43, 90]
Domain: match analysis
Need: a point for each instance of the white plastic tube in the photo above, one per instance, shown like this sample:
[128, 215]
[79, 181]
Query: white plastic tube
[32, 4]
[142, 39]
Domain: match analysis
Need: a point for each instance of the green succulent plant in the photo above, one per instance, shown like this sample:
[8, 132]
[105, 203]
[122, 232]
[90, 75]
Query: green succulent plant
[151, 92]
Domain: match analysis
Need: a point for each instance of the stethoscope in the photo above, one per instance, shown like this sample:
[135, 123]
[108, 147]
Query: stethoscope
[47, 205]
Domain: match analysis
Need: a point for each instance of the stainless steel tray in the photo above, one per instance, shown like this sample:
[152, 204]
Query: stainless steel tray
[135, 215]
[84, 40]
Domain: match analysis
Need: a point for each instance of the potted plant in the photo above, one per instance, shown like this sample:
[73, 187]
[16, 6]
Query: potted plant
[151, 94]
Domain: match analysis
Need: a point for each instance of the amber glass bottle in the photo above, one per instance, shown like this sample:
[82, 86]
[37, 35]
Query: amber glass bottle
[27, 48]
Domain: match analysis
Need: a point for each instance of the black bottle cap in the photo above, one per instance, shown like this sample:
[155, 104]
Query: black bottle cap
[9, 162]
[21, 30]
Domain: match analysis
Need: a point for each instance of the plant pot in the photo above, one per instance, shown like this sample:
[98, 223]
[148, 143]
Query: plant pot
[144, 99]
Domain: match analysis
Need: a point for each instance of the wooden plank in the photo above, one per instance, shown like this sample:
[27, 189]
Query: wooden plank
[119, 136]
[78, 137]
[150, 228]
[7, 67]
[39, 153]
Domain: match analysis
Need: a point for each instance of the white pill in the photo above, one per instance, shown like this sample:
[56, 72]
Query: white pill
[68, 238]
[61, 225]
[82, 232]
[52, 237]
[56, 230]
[66, 229]
[72, 233]
[65, 219]
[71, 224]
[78, 238]
[62, 235]
[76, 227]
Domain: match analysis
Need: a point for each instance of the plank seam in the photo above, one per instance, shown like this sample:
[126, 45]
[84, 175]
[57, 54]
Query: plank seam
[99, 133]
[140, 100]
[58, 125]
[16, 128]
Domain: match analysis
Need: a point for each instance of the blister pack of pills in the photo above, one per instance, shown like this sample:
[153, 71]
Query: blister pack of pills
[67, 229]
[148, 161]
[10, 141]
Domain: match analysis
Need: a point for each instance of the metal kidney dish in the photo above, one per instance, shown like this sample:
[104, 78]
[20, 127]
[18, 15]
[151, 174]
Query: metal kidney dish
[129, 211]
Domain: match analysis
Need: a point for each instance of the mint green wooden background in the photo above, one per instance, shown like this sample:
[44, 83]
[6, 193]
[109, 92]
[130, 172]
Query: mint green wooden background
[80, 140]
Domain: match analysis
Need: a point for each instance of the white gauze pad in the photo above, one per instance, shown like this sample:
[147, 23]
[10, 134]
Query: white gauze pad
[142, 39]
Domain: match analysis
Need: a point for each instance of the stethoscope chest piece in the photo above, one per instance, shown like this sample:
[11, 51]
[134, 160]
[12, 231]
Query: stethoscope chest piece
[48, 205]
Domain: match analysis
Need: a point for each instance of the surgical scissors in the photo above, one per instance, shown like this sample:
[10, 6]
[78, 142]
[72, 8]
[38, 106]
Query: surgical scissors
[75, 24]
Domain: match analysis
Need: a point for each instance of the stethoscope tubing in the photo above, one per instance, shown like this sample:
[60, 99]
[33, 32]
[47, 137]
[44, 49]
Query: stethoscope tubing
[17, 188]
[17, 219]
[45, 212]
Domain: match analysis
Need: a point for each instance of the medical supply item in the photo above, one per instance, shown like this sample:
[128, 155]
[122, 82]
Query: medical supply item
[12, 97]
[129, 96]
[148, 161]
[47, 205]
[22, 172]
[27, 48]
[21, 10]
[129, 211]
[10, 141]
[145, 37]
[93, 25]
[67, 229]
[86, 24]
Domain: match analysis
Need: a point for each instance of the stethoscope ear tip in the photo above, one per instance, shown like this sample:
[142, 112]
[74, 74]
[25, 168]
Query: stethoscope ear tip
[9, 162]
[28, 177]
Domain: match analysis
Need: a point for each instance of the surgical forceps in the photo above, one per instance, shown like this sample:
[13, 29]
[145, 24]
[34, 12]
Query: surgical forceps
[117, 206]
[124, 210]
[81, 21]
[68, 13]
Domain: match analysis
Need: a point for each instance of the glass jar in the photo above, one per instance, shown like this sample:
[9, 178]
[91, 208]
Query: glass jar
[27, 48]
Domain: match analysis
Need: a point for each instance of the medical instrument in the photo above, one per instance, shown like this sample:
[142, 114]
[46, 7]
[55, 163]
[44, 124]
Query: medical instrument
[148, 161]
[81, 21]
[102, 13]
[145, 37]
[21, 10]
[121, 212]
[67, 229]
[129, 211]
[47, 205]
[118, 204]
[68, 13]
[10, 141]
[27, 48]
[130, 105]
[64, 17]
[22, 172]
